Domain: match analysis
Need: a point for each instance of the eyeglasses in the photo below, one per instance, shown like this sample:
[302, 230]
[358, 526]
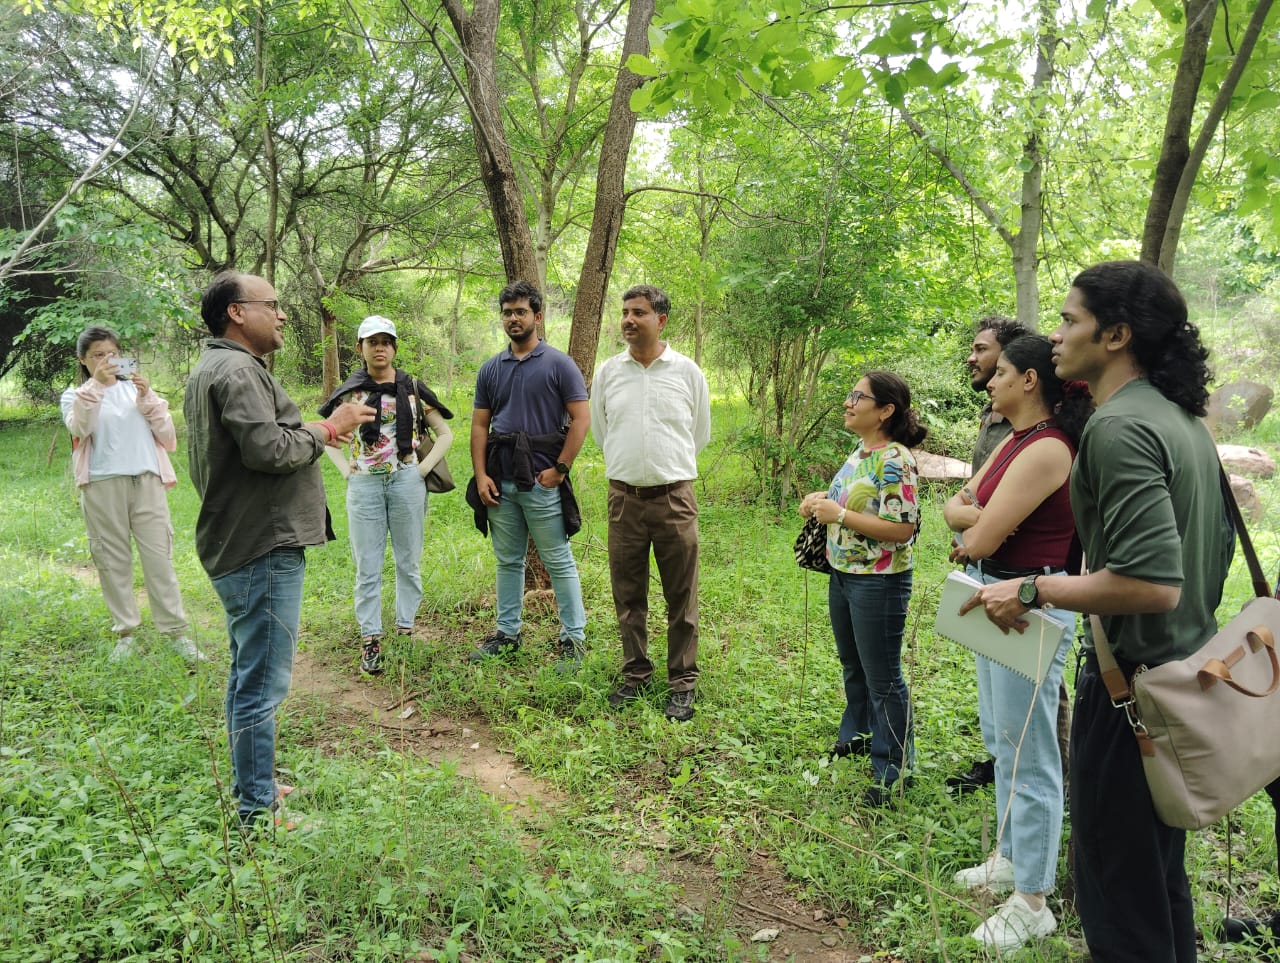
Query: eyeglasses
[855, 396]
[272, 305]
[99, 355]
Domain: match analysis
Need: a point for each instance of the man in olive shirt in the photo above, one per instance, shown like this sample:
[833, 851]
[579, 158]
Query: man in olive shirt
[252, 463]
[1158, 542]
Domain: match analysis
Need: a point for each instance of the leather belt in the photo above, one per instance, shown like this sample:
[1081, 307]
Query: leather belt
[644, 491]
[996, 570]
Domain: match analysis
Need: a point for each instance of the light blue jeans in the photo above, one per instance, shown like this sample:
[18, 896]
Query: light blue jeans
[868, 614]
[1022, 719]
[263, 601]
[517, 516]
[395, 503]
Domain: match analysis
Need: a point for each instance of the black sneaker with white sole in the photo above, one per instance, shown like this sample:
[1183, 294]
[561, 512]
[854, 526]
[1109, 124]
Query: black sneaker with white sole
[680, 706]
[371, 657]
[495, 645]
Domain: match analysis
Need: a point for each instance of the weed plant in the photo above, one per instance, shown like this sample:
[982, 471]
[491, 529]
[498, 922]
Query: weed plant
[113, 786]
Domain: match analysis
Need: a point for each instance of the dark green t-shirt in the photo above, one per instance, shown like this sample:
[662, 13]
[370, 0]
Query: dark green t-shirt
[1148, 504]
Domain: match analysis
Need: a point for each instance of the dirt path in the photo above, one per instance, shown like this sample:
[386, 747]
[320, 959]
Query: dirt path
[761, 904]
[761, 901]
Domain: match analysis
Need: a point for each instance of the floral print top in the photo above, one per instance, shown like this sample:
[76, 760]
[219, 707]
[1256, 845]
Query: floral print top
[882, 482]
[381, 458]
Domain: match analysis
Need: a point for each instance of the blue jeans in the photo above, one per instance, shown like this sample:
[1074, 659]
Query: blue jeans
[868, 613]
[395, 503]
[1022, 719]
[263, 601]
[517, 516]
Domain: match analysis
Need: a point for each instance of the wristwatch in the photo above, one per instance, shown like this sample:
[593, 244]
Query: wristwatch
[562, 468]
[1028, 594]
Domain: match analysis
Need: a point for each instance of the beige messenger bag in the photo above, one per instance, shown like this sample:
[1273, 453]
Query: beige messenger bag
[1206, 725]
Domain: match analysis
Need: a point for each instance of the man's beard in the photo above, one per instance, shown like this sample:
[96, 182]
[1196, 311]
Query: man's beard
[524, 335]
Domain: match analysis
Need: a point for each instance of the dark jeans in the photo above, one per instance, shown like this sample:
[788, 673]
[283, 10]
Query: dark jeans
[1131, 885]
[868, 613]
[263, 602]
[669, 523]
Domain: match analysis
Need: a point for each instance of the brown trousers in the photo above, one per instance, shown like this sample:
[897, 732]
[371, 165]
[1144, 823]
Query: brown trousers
[667, 523]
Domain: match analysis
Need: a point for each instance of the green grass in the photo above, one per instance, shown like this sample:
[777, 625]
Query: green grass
[113, 785]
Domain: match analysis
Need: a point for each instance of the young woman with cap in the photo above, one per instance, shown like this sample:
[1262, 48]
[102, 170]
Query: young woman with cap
[386, 470]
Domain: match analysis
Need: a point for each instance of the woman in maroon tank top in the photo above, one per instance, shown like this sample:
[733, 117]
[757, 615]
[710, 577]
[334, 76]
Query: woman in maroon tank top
[1014, 521]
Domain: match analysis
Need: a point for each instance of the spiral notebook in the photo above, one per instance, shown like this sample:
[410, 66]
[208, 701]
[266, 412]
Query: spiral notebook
[1029, 654]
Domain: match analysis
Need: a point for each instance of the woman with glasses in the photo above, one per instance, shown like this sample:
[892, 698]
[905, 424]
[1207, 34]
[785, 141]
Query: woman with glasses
[121, 436]
[386, 470]
[1014, 520]
[871, 514]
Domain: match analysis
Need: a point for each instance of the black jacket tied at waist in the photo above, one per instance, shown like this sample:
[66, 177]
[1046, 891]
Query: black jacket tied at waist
[522, 447]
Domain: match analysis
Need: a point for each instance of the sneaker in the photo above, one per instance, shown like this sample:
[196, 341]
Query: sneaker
[1262, 930]
[981, 773]
[1014, 923]
[371, 657]
[189, 651]
[879, 794]
[859, 746]
[680, 706]
[996, 873]
[123, 649]
[627, 693]
[493, 645]
[571, 653]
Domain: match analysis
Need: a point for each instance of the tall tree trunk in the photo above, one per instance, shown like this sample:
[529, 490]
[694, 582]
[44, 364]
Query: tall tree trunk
[1026, 243]
[328, 322]
[477, 34]
[1175, 149]
[611, 199]
[1168, 252]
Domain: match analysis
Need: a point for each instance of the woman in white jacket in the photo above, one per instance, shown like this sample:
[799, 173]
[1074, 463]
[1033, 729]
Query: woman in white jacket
[122, 434]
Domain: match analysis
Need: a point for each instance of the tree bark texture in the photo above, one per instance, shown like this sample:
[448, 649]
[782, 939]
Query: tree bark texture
[477, 34]
[1175, 149]
[611, 199]
[1026, 243]
[1208, 129]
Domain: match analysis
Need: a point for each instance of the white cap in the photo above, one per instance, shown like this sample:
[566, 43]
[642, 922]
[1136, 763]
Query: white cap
[376, 324]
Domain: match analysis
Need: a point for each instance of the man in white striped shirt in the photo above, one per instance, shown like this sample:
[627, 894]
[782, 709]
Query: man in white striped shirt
[651, 415]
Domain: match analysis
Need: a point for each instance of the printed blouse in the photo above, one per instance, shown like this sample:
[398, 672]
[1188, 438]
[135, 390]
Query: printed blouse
[380, 458]
[881, 482]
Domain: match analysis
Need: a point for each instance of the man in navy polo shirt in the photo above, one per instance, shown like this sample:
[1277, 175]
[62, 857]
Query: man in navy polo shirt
[528, 424]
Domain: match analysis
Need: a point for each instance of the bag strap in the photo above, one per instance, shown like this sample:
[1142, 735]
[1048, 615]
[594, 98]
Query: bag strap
[1256, 575]
[420, 416]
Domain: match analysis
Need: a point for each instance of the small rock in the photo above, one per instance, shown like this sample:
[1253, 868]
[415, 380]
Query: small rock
[1238, 404]
[475, 745]
[830, 941]
[1243, 460]
[940, 467]
[765, 935]
[1246, 497]
[819, 915]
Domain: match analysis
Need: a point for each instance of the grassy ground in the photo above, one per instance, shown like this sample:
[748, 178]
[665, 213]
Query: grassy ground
[113, 782]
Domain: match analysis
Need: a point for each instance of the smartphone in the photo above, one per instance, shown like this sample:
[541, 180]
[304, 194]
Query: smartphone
[126, 367]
